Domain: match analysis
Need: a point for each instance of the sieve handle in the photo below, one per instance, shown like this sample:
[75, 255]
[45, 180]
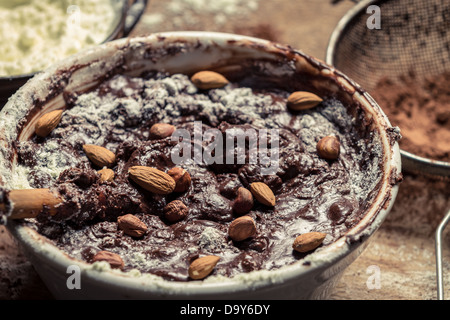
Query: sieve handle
[440, 282]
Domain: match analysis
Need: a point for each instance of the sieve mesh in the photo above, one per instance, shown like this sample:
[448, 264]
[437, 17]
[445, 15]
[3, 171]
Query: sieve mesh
[414, 37]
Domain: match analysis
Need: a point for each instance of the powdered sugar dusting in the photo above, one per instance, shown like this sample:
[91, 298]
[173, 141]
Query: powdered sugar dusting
[212, 240]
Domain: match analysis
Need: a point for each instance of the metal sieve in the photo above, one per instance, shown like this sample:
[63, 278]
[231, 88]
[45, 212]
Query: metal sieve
[414, 35]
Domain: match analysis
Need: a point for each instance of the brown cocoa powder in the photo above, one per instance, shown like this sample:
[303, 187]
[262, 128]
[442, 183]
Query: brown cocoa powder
[421, 109]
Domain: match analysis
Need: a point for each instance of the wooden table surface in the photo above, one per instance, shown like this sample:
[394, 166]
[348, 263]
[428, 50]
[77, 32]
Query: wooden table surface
[402, 250]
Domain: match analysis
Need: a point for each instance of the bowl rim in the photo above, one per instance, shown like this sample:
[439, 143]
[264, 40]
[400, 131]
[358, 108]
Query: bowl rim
[318, 260]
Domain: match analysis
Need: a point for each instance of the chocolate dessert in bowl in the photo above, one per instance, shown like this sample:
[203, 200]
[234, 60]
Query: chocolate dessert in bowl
[195, 165]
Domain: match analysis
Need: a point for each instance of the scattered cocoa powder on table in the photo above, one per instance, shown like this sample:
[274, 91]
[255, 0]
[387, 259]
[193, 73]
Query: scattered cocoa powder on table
[421, 108]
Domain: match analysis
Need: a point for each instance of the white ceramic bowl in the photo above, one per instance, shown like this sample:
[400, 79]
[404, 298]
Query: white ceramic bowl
[186, 52]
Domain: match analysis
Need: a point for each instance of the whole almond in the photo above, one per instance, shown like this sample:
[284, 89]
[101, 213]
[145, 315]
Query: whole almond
[161, 130]
[208, 80]
[242, 228]
[48, 122]
[132, 225]
[106, 174]
[329, 147]
[243, 202]
[175, 211]
[308, 241]
[99, 156]
[182, 179]
[152, 179]
[114, 260]
[200, 268]
[263, 193]
[302, 100]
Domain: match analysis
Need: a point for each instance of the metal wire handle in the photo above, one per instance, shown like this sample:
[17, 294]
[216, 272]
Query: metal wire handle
[440, 282]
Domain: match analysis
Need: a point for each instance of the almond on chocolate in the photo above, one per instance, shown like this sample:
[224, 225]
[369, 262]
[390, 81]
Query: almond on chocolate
[175, 211]
[114, 260]
[132, 225]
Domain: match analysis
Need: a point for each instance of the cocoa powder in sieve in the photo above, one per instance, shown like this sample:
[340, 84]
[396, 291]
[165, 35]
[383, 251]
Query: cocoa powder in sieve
[421, 108]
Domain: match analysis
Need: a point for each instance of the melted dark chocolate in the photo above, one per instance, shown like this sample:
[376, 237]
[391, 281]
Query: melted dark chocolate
[312, 194]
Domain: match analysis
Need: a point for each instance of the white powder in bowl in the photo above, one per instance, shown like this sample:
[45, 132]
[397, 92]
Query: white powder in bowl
[36, 34]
